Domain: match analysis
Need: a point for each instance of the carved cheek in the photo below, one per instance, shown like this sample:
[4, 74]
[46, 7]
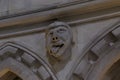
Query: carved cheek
[48, 42]
[50, 37]
[66, 36]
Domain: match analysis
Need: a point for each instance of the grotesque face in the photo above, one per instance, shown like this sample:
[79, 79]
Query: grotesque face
[58, 40]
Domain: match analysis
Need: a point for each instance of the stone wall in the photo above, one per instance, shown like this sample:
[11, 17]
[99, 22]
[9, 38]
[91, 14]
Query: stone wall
[9, 7]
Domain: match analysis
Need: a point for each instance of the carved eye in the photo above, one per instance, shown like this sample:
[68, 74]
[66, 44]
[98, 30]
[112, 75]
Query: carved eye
[61, 30]
[51, 33]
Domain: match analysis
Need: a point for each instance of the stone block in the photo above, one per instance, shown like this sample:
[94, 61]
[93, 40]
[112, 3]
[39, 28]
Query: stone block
[28, 59]
[8, 50]
[16, 6]
[3, 7]
[42, 72]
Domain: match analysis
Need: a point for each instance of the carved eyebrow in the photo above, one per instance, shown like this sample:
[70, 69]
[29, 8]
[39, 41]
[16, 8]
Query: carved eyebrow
[63, 29]
[51, 33]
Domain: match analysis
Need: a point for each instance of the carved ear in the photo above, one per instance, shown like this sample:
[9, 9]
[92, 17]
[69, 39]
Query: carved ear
[46, 33]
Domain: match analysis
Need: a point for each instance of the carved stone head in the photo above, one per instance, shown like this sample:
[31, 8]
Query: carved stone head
[58, 40]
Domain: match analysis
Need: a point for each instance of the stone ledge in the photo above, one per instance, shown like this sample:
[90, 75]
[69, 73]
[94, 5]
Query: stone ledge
[41, 16]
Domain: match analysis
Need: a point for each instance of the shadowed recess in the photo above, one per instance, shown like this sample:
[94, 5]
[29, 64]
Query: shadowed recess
[10, 76]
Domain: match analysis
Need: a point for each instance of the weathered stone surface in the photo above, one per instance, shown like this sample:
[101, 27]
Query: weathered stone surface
[8, 7]
[15, 6]
[94, 49]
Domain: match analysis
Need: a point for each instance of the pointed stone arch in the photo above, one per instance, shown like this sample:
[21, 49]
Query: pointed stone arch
[20, 60]
[94, 56]
[103, 66]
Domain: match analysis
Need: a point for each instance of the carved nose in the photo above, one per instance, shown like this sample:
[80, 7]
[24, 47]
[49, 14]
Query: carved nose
[54, 39]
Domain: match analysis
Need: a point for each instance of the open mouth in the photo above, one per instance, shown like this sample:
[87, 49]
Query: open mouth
[56, 47]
